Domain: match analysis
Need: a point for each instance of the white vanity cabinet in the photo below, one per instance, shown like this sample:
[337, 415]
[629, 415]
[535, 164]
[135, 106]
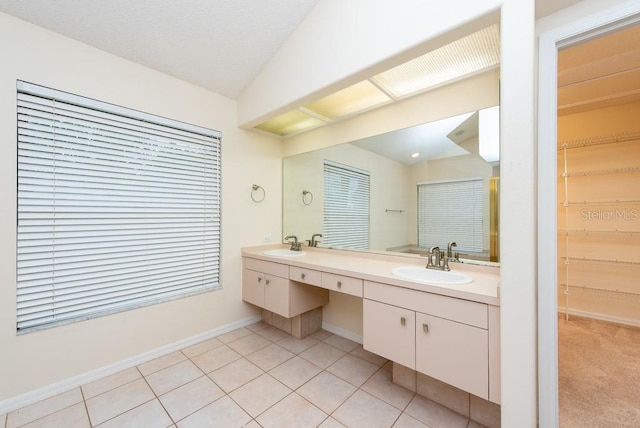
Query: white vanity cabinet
[443, 337]
[448, 334]
[267, 285]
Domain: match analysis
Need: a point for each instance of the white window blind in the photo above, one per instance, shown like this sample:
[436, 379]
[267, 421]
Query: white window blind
[450, 211]
[346, 206]
[116, 208]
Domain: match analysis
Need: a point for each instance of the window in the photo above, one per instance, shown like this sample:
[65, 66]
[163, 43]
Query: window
[450, 211]
[116, 208]
[346, 206]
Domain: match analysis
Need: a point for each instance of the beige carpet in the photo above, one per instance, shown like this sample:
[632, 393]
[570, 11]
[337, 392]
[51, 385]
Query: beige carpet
[599, 374]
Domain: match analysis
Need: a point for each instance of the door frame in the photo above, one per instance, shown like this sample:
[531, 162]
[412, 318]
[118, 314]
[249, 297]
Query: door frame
[608, 20]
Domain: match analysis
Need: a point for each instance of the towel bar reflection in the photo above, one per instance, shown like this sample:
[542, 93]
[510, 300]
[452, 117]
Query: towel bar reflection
[307, 197]
[255, 189]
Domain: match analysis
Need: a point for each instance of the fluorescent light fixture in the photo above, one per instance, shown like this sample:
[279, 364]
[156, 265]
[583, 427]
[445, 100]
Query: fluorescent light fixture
[415, 155]
[353, 99]
[489, 134]
[462, 58]
[471, 54]
[290, 123]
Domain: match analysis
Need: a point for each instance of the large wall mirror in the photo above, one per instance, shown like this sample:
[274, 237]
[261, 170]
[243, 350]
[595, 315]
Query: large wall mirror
[428, 185]
[403, 190]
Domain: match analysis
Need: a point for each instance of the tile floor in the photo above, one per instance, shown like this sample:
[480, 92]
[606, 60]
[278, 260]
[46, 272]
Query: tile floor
[256, 376]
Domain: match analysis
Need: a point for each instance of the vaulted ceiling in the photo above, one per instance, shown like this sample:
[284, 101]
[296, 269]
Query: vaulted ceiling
[220, 45]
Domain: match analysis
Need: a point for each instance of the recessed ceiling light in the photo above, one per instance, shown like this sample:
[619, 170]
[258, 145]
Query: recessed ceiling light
[415, 155]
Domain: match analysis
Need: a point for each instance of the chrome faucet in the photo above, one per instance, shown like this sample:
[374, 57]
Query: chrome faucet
[451, 256]
[313, 242]
[295, 245]
[437, 259]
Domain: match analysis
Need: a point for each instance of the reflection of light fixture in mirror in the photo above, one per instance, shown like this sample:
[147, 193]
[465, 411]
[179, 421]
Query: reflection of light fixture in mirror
[415, 155]
[489, 134]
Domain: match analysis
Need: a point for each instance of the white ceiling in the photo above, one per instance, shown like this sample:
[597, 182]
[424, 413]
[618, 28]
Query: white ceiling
[220, 45]
[432, 140]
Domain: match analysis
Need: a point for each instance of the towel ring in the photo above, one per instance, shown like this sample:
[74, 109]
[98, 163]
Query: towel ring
[254, 189]
[304, 197]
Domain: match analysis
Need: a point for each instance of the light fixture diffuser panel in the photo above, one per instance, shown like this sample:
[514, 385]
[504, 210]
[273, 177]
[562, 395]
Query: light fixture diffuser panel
[289, 123]
[353, 99]
[471, 54]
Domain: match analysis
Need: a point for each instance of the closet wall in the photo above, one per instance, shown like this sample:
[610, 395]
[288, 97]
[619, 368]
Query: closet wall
[599, 213]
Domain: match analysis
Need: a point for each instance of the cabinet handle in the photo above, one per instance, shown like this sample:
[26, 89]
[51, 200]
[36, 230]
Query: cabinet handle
[267, 281]
[339, 284]
[259, 279]
[403, 320]
[425, 327]
[302, 275]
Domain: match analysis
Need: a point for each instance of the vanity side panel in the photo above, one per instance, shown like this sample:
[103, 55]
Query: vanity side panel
[305, 297]
[494, 354]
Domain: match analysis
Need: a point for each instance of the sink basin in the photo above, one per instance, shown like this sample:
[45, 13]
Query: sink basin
[431, 276]
[281, 252]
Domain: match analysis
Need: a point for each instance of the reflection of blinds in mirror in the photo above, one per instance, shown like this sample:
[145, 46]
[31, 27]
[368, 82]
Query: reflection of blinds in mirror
[450, 211]
[346, 206]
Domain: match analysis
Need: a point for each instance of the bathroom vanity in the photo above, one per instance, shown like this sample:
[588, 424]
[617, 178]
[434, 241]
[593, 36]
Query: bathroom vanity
[449, 332]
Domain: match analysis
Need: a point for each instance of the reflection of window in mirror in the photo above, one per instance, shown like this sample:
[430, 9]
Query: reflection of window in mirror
[346, 206]
[451, 211]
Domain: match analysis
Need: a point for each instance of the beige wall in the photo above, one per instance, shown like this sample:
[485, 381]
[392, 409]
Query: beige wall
[37, 359]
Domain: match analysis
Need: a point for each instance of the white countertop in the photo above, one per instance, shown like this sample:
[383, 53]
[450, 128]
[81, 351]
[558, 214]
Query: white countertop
[377, 267]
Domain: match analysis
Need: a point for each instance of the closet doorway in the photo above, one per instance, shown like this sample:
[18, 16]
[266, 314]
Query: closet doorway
[589, 269]
[598, 188]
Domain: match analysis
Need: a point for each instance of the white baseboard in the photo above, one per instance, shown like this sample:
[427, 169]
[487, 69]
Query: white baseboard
[342, 332]
[34, 396]
[600, 317]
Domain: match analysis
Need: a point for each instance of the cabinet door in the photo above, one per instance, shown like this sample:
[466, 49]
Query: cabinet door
[455, 353]
[389, 331]
[253, 287]
[276, 295]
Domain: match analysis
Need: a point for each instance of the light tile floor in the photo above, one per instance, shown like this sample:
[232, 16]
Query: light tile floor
[256, 376]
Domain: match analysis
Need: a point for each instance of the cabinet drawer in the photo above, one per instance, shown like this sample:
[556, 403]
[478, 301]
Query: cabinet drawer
[270, 268]
[343, 284]
[463, 311]
[307, 276]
